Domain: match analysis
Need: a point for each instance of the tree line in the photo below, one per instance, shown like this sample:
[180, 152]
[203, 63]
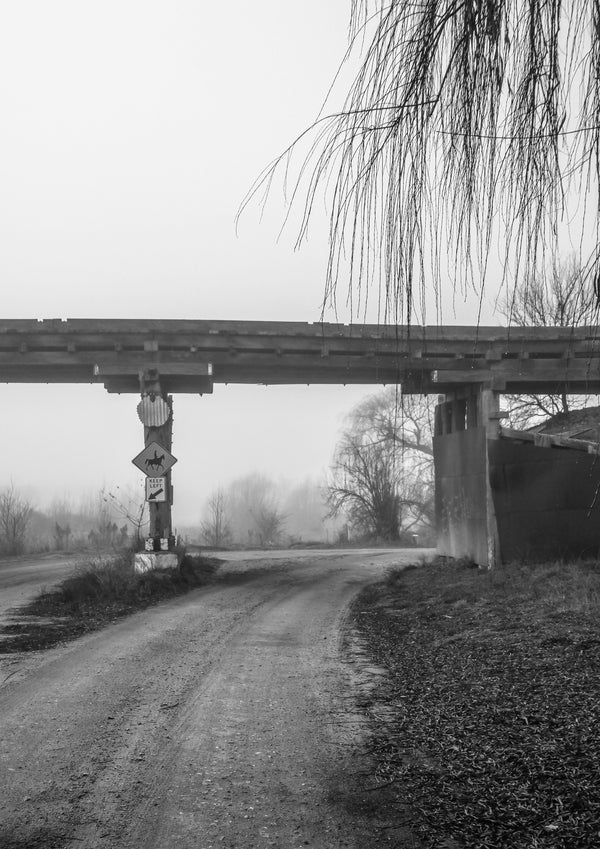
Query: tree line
[97, 522]
[379, 486]
[256, 511]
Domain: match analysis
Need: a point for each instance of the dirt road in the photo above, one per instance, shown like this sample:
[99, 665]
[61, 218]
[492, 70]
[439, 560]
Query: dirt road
[21, 578]
[223, 719]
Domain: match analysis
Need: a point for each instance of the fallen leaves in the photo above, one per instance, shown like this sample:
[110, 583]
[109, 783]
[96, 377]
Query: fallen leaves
[495, 694]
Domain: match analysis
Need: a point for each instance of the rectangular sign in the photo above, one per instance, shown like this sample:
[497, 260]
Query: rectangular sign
[156, 489]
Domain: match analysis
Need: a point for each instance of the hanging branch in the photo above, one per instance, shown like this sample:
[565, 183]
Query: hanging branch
[468, 123]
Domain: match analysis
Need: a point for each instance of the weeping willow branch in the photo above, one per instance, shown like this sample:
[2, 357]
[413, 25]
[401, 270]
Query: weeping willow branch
[470, 125]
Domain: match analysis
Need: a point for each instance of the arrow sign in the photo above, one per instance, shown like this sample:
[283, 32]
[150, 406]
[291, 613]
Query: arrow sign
[156, 489]
[154, 459]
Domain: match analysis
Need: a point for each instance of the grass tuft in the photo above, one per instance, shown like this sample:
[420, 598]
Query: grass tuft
[98, 592]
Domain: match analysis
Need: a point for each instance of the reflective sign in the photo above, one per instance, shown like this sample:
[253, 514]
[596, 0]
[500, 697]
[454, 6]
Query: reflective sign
[156, 489]
[154, 459]
[153, 411]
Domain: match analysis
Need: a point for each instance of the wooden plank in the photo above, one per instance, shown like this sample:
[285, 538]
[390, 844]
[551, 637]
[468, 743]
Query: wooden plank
[39, 374]
[545, 440]
[483, 335]
[330, 377]
[515, 370]
[463, 342]
[182, 369]
[176, 384]
[140, 359]
[511, 433]
[449, 370]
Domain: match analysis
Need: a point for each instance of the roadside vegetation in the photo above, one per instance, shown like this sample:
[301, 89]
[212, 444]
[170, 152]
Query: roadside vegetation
[381, 478]
[104, 521]
[98, 592]
[485, 728]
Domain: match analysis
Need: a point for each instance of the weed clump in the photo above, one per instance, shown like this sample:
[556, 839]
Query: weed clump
[98, 592]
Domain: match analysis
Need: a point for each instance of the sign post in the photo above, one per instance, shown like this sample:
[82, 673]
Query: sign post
[156, 461]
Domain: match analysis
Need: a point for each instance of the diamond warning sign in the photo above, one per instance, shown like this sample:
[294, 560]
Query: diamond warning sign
[154, 459]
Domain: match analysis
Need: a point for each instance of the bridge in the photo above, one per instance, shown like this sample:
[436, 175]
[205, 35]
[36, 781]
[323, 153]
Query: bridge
[470, 367]
[192, 355]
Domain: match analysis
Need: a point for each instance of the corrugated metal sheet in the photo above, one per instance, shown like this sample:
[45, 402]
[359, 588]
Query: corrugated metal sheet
[546, 499]
[153, 411]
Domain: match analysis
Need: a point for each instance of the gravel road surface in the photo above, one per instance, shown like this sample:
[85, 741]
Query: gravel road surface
[21, 578]
[225, 718]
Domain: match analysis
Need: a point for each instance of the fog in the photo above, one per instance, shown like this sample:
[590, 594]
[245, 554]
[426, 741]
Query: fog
[131, 133]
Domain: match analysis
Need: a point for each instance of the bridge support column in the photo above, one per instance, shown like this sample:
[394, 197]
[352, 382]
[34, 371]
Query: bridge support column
[489, 410]
[466, 521]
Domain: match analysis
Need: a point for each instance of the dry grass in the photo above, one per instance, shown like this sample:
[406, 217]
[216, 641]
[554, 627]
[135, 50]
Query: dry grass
[487, 724]
[99, 592]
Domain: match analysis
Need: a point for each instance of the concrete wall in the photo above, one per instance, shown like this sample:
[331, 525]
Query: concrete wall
[500, 499]
[546, 500]
[461, 494]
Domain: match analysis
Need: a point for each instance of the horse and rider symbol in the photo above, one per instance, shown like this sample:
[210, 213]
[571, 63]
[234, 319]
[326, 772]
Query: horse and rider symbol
[153, 464]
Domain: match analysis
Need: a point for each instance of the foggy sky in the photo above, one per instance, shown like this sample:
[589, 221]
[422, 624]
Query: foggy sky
[130, 133]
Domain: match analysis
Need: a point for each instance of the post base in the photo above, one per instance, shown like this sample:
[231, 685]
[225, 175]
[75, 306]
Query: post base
[147, 561]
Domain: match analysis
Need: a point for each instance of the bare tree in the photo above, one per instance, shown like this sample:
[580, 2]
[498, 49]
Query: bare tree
[364, 484]
[306, 510]
[269, 522]
[404, 420]
[128, 505]
[15, 515]
[562, 297]
[62, 535]
[463, 127]
[215, 529]
[382, 472]
[254, 505]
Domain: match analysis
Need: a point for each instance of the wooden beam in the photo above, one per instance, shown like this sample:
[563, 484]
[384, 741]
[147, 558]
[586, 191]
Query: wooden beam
[422, 359]
[549, 440]
[184, 369]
